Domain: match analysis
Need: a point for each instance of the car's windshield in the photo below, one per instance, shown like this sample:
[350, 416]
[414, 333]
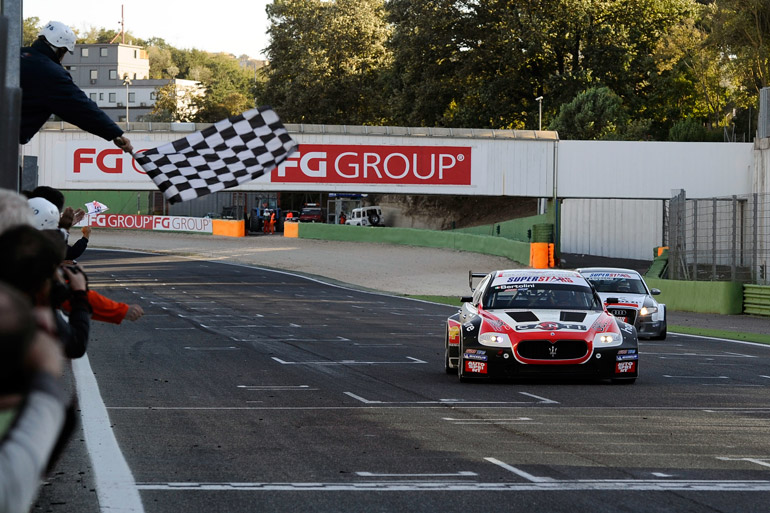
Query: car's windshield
[621, 283]
[541, 296]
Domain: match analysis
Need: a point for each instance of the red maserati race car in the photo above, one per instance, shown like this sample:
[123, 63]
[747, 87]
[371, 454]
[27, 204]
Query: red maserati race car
[534, 322]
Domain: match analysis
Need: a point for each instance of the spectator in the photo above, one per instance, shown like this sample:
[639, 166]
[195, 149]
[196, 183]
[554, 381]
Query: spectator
[103, 308]
[31, 392]
[14, 210]
[67, 218]
[47, 88]
[30, 263]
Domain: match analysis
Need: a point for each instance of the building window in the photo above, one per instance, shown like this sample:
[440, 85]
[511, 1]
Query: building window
[113, 99]
[134, 76]
[131, 97]
[113, 74]
[136, 54]
[101, 96]
[152, 95]
[94, 74]
[121, 119]
[84, 52]
[104, 51]
[93, 97]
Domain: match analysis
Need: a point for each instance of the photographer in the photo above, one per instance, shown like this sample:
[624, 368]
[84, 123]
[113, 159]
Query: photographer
[31, 397]
[30, 263]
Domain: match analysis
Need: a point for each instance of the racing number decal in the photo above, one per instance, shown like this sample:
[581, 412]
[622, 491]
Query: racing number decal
[478, 367]
[624, 367]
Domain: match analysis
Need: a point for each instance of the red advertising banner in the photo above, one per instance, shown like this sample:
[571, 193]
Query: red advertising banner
[367, 164]
[140, 222]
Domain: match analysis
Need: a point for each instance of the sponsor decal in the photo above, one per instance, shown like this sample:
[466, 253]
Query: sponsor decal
[454, 334]
[626, 357]
[540, 279]
[624, 367]
[550, 325]
[592, 276]
[601, 325]
[140, 222]
[496, 324]
[475, 351]
[370, 164]
[627, 351]
[472, 356]
[627, 328]
[477, 367]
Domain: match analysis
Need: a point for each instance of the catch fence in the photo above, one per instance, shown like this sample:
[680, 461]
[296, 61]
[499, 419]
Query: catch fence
[719, 239]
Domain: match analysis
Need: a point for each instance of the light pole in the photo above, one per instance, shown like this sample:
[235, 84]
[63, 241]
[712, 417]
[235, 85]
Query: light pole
[126, 82]
[539, 101]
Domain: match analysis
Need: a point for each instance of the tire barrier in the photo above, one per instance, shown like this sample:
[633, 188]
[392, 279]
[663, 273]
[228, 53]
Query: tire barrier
[542, 232]
[541, 255]
[756, 300]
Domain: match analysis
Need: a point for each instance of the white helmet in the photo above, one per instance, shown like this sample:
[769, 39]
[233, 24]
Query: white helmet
[59, 35]
[46, 215]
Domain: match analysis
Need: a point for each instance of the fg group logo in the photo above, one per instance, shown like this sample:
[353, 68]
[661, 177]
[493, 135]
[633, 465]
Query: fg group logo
[101, 161]
[370, 164]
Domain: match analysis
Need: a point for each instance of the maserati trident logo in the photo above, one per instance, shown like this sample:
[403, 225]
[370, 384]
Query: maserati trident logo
[552, 350]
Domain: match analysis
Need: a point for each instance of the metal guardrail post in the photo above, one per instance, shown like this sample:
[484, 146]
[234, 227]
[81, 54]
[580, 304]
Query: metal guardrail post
[735, 235]
[10, 92]
[694, 251]
[755, 236]
[713, 239]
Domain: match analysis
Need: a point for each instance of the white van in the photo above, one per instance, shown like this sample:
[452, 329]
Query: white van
[365, 216]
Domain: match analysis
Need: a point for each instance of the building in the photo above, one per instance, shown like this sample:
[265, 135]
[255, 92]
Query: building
[116, 77]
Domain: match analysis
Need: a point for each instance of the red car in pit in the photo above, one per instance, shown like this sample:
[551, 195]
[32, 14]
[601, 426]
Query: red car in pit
[538, 322]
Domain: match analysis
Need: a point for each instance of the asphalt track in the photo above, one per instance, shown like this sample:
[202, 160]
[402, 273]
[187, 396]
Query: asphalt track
[246, 389]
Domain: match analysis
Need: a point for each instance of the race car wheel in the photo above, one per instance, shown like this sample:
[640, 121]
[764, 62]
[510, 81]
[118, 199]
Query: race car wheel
[661, 335]
[447, 364]
[461, 364]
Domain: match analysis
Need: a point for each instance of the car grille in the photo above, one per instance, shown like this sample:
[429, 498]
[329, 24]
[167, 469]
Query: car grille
[545, 350]
[627, 314]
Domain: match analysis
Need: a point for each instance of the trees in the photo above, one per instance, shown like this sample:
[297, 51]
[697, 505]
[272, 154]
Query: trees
[326, 58]
[596, 113]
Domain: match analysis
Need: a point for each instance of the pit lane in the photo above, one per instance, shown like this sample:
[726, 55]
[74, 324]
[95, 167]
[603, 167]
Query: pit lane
[244, 386]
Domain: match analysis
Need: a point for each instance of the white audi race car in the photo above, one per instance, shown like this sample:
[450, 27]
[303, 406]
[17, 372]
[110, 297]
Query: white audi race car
[538, 322]
[628, 297]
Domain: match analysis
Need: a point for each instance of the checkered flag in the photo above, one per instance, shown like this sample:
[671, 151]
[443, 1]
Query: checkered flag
[233, 151]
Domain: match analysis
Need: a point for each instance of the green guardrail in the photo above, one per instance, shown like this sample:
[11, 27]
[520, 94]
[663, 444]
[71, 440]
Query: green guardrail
[498, 246]
[720, 297]
[756, 299]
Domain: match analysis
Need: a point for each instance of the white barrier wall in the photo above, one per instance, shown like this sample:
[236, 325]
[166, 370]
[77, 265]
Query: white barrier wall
[646, 170]
[612, 227]
[72, 159]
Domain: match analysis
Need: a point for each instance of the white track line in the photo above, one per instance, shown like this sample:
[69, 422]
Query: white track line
[115, 485]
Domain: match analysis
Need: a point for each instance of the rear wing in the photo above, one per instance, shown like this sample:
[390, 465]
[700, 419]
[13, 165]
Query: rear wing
[472, 276]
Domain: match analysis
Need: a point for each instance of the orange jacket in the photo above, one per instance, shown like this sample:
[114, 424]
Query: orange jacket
[104, 309]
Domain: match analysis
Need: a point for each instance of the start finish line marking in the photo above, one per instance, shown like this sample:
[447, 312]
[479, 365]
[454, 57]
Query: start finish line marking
[349, 362]
[619, 485]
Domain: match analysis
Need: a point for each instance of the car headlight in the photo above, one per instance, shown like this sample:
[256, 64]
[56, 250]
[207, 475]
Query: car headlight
[648, 310]
[602, 340]
[494, 340]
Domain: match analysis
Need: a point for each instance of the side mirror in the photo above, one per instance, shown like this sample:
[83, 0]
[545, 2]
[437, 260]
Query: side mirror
[466, 299]
[655, 292]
